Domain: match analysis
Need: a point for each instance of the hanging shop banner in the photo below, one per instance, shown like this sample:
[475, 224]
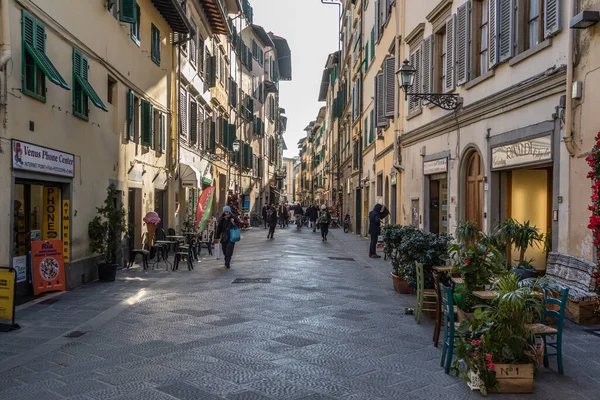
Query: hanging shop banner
[435, 166]
[7, 295]
[525, 152]
[66, 229]
[20, 265]
[47, 268]
[29, 157]
[203, 208]
[51, 213]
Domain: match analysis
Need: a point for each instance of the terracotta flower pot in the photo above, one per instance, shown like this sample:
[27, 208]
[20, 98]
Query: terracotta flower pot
[401, 285]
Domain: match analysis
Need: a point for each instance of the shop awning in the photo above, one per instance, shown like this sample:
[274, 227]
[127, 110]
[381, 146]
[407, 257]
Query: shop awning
[189, 176]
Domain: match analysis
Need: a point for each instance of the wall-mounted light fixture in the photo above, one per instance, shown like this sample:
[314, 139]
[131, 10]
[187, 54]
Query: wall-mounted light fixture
[585, 19]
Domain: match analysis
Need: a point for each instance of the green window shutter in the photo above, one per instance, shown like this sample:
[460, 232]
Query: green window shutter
[127, 11]
[80, 71]
[372, 127]
[130, 113]
[155, 45]
[366, 56]
[146, 123]
[372, 43]
[161, 132]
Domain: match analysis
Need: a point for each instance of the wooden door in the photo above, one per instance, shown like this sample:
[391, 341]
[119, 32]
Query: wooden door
[434, 207]
[474, 195]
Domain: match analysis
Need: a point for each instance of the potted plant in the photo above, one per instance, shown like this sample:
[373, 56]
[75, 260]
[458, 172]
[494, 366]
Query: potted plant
[429, 249]
[105, 232]
[495, 346]
[477, 263]
[392, 239]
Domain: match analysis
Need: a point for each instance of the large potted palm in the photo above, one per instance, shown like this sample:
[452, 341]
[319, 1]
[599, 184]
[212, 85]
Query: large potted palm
[105, 232]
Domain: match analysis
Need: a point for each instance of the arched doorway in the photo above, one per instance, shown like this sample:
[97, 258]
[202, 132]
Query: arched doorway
[474, 189]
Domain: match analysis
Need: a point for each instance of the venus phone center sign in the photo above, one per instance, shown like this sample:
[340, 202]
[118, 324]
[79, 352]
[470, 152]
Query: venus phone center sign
[29, 157]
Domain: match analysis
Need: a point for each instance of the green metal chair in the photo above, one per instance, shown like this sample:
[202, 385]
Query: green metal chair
[449, 327]
[422, 293]
[544, 330]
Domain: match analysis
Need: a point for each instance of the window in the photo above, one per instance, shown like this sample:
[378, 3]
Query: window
[147, 124]
[82, 90]
[113, 9]
[155, 45]
[135, 26]
[111, 90]
[183, 113]
[159, 138]
[443, 45]
[380, 185]
[193, 45]
[482, 40]
[201, 52]
[36, 64]
[136, 119]
[193, 122]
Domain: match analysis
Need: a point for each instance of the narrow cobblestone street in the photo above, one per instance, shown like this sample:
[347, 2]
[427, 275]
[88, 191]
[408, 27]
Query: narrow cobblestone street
[327, 326]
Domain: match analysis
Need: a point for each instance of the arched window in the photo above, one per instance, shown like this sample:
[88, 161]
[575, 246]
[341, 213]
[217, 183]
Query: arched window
[474, 189]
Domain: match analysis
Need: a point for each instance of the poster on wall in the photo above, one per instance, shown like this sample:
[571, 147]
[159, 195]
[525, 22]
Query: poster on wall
[47, 266]
[51, 213]
[20, 265]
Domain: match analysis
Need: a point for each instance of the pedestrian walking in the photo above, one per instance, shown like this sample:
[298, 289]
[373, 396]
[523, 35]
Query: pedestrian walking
[271, 221]
[375, 217]
[324, 221]
[264, 214]
[313, 215]
[227, 221]
[282, 215]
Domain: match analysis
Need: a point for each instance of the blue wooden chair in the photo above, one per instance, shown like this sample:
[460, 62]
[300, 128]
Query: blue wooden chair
[449, 327]
[544, 330]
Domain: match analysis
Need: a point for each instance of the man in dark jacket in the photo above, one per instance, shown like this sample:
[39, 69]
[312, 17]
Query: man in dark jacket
[379, 213]
[271, 221]
[227, 221]
[264, 214]
[313, 214]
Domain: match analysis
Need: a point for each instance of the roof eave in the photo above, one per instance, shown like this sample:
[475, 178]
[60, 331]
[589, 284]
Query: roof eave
[174, 15]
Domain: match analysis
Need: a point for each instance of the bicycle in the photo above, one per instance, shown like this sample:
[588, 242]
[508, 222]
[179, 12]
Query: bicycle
[346, 225]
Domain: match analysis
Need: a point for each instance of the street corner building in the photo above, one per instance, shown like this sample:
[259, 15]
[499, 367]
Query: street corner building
[162, 99]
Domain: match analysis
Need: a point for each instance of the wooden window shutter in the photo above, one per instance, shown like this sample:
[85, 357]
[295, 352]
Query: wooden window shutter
[212, 71]
[372, 43]
[366, 131]
[358, 96]
[493, 28]
[183, 112]
[506, 29]
[232, 136]
[389, 74]
[372, 127]
[130, 113]
[233, 92]
[380, 100]
[146, 123]
[462, 43]
[377, 18]
[415, 61]
[427, 51]
[552, 20]
[127, 11]
[161, 133]
[382, 17]
[193, 122]
[450, 59]
[212, 136]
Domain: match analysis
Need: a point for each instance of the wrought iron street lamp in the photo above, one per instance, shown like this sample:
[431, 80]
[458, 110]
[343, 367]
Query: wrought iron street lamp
[406, 79]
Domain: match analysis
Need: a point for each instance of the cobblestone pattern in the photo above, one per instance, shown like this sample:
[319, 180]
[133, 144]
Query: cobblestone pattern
[322, 329]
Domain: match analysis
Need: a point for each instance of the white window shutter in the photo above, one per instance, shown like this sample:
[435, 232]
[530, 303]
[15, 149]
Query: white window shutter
[506, 43]
[377, 16]
[552, 20]
[382, 19]
[389, 73]
[427, 51]
[493, 28]
[450, 58]
[380, 100]
[462, 43]
[415, 61]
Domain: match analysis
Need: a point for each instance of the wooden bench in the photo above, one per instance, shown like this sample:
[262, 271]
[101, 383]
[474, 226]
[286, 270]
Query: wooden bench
[576, 274]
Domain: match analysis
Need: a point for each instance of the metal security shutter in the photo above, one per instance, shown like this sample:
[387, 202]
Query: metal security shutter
[552, 20]
[450, 39]
[493, 28]
[389, 74]
[183, 113]
[462, 43]
[427, 51]
[193, 122]
[506, 29]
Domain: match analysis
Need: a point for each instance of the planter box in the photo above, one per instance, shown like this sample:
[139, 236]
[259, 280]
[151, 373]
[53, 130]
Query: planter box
[514, 378]
[401, 285]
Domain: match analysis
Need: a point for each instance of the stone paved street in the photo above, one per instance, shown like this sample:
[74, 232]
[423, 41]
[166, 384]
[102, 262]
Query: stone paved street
[328, 326]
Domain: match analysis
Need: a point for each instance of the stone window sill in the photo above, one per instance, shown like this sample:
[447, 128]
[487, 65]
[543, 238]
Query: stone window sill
[528, 53]
[414, 113]
[480, 79]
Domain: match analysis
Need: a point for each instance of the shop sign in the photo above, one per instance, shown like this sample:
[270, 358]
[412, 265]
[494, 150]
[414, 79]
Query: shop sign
[47, 266]
[524, 152]
[66, 229]
[7, 294]
[29, 157]
[20, 265]
[435, 166]
[51, 213]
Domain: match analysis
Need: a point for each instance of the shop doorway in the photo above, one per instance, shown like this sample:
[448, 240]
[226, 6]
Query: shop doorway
[134, 216]
[474, 189]
[37, 216]
[437, 210]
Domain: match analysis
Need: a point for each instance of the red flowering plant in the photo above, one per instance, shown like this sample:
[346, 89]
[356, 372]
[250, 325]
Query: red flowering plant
[593, 161]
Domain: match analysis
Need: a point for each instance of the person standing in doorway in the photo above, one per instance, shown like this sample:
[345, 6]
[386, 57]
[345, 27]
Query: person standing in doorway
[271, 221]
[264, 214]
[313, 215]
[375, 217]
[227, 221]
[324, 221]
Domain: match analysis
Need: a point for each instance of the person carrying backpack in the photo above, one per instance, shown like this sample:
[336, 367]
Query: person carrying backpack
[226, 223]
[271, 221]
[324, 221]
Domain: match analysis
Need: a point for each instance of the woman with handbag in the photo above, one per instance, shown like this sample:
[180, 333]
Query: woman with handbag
[228, 233]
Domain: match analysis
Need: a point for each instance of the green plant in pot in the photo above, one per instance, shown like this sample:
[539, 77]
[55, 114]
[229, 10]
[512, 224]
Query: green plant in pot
[477, 263]
[429, 249]
[105, 232]
[392, 239]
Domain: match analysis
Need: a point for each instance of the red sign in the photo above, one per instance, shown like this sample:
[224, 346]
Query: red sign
[203, 208]
[47, 266]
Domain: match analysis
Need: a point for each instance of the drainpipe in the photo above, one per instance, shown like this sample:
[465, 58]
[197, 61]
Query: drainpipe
[6, 48]
[396, 158]
[569, 139]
